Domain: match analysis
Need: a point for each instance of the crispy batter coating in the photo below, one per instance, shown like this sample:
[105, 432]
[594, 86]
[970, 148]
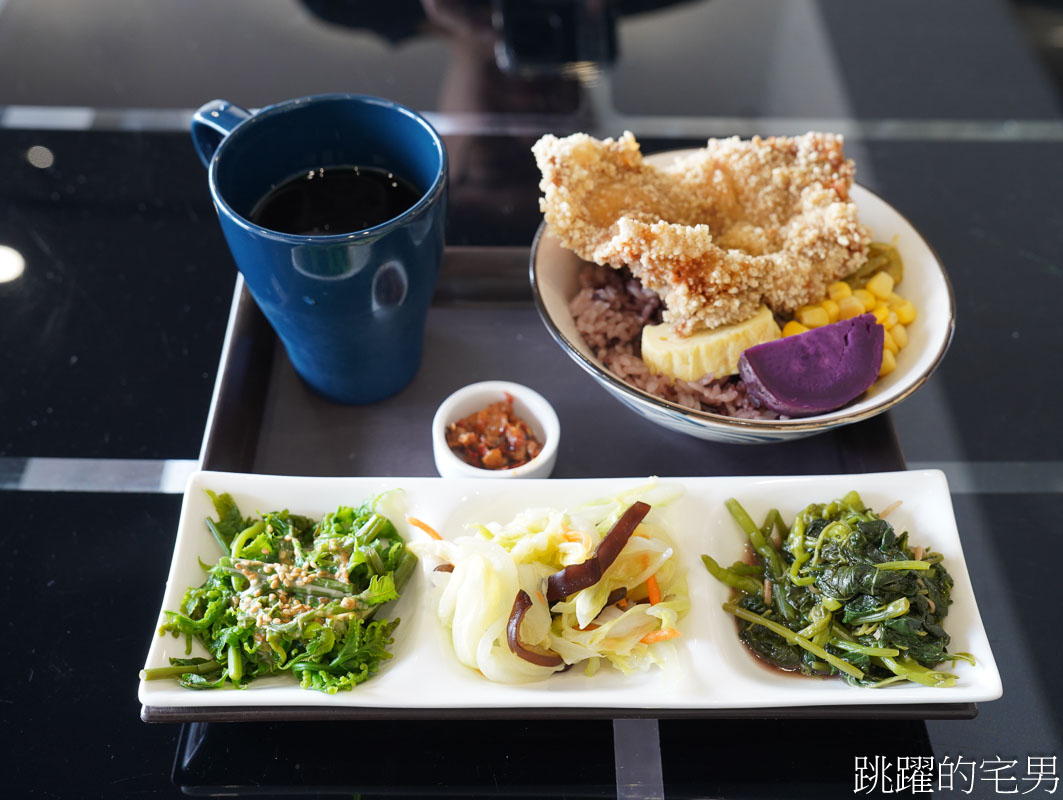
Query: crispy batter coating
[716, 233]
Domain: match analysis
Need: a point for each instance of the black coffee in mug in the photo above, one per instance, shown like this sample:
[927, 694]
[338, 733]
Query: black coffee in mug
[332, 200]
[350, 307]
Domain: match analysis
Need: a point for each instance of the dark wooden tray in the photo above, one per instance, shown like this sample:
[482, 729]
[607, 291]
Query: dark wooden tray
[483, 326]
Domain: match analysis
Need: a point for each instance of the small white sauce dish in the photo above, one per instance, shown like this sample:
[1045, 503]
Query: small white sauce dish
[528, 404]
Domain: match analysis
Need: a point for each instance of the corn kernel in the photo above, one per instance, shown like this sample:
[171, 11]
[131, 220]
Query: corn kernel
[894, 300]
[891, 320]
[831, 308]
[792, 328]
[900, 335]
[865, 297]
[905, 313]
[839, 290]
[812, 316]
[849, 307]
[889, 363]
[881, 285]
[881, 312]
[889, 343]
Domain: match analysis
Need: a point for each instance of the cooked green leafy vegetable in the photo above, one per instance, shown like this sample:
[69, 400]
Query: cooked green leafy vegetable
[841, 594]
[291, 594]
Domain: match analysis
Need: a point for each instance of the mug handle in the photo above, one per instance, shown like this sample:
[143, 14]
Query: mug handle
[211, 123]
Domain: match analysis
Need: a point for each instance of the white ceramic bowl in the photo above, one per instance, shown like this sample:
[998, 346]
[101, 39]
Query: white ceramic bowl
[528, 404]
[555, 281]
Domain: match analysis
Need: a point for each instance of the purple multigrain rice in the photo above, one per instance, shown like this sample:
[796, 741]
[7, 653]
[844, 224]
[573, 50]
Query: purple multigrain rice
[610, 311]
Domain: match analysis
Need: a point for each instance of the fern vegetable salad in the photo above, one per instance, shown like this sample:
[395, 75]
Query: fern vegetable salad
[291, 594]
[553, 588]
[838, 592]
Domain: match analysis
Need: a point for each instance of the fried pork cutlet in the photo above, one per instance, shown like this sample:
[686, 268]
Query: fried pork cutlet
[716, 233]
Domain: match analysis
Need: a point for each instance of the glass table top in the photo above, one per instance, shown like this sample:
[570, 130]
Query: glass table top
[111, 333]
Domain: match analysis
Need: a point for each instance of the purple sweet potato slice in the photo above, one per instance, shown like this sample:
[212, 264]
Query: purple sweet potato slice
[816, 371]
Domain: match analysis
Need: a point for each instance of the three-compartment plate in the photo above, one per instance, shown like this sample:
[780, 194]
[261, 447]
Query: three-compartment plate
[713, 671]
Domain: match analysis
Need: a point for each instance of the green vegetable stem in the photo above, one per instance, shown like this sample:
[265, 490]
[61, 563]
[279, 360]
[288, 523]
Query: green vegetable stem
[772, 558]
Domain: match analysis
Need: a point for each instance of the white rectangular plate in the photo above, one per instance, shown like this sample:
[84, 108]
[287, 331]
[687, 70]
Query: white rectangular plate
[714, 670]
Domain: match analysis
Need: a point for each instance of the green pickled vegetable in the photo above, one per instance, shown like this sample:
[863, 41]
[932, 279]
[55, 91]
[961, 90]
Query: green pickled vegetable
[844, 595]
[291, 595]
[880, 256]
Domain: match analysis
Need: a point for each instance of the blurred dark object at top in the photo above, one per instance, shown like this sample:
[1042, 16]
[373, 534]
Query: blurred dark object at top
[549, 36]
[532, 37]
[1042, 22]
[395, 20]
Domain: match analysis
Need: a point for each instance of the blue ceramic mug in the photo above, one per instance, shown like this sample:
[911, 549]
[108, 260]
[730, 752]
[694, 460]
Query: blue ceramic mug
[350, 306]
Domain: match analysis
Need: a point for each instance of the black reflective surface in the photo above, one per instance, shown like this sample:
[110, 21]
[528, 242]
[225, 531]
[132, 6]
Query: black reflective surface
[459, 759]
[71, 726]
[110, 339]
[111, 336]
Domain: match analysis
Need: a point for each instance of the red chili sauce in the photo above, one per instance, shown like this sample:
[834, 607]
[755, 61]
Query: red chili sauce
[493, 438]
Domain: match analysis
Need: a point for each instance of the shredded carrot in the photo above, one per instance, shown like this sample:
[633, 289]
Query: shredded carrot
[424, 526]
[540, 596]
[590, 626]
[653, 589]
[572, 535]
[622, 603]
[659, 636]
